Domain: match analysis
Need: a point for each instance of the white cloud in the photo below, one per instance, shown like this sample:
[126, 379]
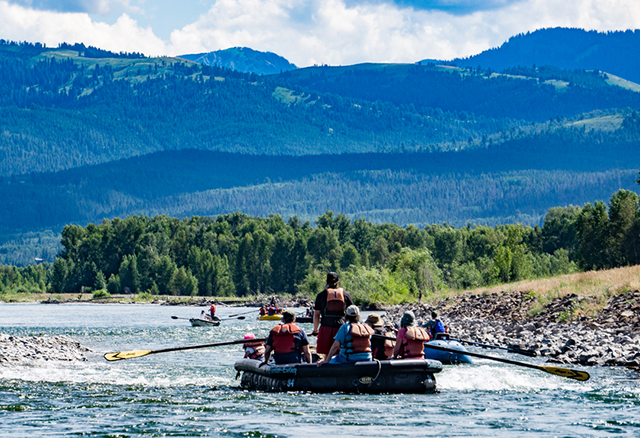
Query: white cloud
[335, 33]
[322, 31]
[51, 28]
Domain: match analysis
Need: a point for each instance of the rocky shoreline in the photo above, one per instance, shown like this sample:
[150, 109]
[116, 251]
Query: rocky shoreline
[610, 338]
[556, 331]
[40, 348]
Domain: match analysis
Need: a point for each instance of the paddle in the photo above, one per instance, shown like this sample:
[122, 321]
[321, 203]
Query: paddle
[176, 317]
[529, 353]
[244, 313]
[563, 372]
[139, 353]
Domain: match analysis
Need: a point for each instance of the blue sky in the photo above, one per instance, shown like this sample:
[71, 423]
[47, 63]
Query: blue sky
[306, 32]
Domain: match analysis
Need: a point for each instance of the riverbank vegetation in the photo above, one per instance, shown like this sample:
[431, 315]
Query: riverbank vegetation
[236, 255]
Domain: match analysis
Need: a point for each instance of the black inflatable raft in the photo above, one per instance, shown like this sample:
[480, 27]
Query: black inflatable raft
[397, 376]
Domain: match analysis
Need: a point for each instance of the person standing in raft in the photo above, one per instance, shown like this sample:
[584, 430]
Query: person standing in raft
[329, 312]
[410, 339]
[212, 312]
[253, 350]
[381, 349]
[287, 341]
[435, 326]
[353, 341]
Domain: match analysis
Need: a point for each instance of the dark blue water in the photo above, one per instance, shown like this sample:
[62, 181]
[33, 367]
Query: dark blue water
[194, 393]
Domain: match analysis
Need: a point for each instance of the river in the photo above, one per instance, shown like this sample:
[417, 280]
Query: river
[194, 392]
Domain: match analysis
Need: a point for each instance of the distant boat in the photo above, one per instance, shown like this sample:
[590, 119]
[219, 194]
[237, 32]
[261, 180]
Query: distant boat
[197, 322]
[274, 317]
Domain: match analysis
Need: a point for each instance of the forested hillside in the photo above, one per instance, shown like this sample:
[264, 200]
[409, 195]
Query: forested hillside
[239, 255]
[529, 94]
[514, 180]
[243, 59]
[87, 134]
[60, 109]
[569, 49]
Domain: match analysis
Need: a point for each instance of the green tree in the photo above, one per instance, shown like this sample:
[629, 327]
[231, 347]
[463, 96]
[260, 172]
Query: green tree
[128, 274]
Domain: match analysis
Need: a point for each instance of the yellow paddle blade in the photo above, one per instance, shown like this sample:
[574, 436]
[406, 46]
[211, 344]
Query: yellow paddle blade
[565, 372]
[126, 355]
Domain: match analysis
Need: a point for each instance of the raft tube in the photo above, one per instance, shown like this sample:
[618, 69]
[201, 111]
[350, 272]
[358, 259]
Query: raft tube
[371, 377]
[444, 356]
[304, 319]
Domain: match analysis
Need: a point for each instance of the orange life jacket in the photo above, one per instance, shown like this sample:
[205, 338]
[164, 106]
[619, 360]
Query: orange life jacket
[258, 349]
[283, 336]
[413, 343]
[360, 339]
[389, 345]
[335, 302]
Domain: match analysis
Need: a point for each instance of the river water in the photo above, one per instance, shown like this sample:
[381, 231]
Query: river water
[194, 392]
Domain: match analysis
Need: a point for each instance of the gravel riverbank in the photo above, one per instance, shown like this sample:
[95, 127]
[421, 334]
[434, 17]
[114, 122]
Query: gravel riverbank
[611, 338]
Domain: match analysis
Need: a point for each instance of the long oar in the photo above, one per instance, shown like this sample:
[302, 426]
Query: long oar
[244, 313]
[563, 372]
[177, 317]
[139, 353]
[529, 353]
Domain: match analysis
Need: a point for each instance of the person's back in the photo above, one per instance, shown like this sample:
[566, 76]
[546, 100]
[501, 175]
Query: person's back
[329, 312]
[352, 342]
[381, 349]
[252, 349]
[410, 339]
[435, 326]
[287, 341]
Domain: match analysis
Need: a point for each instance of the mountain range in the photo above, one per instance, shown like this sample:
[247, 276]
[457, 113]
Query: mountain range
[87, 134]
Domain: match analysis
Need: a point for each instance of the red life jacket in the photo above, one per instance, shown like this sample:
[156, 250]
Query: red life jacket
[212, 310]
[283, 336]
[335, 302]
[258, 349]
[360, 339]
[413, 343]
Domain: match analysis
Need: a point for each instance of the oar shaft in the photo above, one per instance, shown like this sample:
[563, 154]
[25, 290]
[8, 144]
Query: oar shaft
[140, 353]
[509, 349]
[244, 313]
[563, 372]
[217, 344]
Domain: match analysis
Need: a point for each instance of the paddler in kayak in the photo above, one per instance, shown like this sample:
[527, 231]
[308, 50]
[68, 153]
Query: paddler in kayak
[352, 343]
[329, 312]
[410, 339]
[287, 342]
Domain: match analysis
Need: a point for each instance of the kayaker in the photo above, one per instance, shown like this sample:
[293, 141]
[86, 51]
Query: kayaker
[253, 350]
[353, 340]
[329, 312]
[410, 339]
[435, 326]
[287, 341]
[381, 349]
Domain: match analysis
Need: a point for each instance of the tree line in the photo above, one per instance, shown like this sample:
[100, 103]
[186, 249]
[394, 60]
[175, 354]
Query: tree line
[240, 255]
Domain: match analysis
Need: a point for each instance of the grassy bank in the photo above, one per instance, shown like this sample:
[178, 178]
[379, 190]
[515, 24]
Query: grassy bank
[596, 286]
